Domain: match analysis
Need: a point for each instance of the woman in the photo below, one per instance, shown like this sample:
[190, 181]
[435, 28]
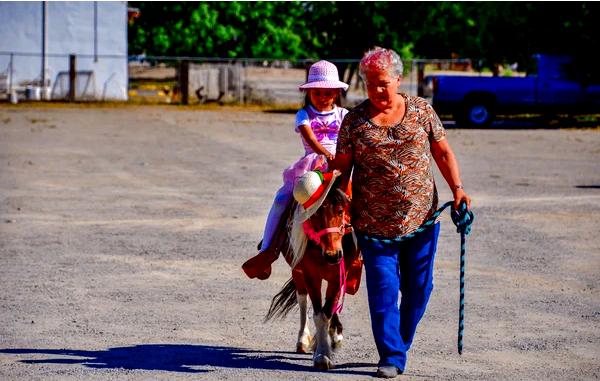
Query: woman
[388, 143]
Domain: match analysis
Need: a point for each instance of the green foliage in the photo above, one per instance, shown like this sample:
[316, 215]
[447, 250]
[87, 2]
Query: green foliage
[493, 32]
[220, 29]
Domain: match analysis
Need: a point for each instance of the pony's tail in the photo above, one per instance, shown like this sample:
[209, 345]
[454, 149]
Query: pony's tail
[283, 301]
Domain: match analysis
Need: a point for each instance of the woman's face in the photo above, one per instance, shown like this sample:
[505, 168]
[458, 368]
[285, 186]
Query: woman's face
[323, 99]
[382, 88]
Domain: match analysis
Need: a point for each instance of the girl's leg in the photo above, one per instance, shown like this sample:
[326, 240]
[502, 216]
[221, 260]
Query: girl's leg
[281, 201]
[416, 268]
[259, 266]
[383, 283]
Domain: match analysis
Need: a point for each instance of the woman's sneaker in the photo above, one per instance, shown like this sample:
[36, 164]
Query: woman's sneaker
[388, 371]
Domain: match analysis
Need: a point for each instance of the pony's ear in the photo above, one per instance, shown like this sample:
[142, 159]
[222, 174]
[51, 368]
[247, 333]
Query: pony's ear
[343, 194]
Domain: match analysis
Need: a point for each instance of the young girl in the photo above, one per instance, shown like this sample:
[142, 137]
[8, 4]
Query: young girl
[318, 122]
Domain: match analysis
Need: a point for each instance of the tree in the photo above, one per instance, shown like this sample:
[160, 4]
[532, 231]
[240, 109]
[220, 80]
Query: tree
[220, 29]
[493, 32]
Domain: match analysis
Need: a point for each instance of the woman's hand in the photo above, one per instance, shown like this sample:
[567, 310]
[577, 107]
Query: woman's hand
[459, 196]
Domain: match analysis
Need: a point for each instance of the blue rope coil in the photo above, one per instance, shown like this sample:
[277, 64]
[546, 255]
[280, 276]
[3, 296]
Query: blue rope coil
[462, 219]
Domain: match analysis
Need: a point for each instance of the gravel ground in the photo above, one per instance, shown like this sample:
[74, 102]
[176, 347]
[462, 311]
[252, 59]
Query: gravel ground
[122, 232]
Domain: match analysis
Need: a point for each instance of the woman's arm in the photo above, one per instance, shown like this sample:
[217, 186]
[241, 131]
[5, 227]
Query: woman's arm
[446, 162]
[343, 162]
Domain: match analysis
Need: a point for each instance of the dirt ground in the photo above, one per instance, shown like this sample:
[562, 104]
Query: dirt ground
[122, 232]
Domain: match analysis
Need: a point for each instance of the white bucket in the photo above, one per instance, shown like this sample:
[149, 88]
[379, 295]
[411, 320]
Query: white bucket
[32, 93]
[37, 94]
[46, 93]
[14, 98]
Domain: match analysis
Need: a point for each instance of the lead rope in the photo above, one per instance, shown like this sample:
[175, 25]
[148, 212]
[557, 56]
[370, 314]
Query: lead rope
[339, 304]
[463, 219]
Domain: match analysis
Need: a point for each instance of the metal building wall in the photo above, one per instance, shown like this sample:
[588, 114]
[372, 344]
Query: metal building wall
[95, 31]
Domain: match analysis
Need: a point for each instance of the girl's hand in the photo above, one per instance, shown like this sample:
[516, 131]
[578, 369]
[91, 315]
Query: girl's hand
[330, 160]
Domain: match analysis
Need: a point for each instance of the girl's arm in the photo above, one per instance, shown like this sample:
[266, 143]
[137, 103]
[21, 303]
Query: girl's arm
[311, 139]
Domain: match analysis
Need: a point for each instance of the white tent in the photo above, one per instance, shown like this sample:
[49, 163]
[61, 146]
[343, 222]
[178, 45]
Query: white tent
[36, 39]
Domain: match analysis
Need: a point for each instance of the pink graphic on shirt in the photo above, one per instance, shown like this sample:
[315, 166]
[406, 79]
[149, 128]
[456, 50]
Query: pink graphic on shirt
[323, 129]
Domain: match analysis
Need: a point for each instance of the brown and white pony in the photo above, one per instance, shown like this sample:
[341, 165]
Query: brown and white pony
[318, 250]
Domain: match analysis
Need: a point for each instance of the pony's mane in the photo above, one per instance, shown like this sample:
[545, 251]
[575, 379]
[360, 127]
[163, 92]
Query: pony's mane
[298, 240]
[297, 237]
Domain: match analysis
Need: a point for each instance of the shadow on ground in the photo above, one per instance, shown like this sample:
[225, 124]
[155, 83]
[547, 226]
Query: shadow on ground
[182, 358]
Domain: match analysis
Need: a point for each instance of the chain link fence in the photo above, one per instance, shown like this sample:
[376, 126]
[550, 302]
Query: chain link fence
[246, 81]
[186, 80]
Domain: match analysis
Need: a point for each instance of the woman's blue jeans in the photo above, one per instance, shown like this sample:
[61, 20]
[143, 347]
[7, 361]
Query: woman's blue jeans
[405, 267]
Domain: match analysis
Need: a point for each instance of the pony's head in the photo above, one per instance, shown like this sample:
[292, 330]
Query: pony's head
[327, 225]
[321, 216]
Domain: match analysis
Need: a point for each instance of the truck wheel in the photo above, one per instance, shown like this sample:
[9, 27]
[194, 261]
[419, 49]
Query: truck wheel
[476, 115]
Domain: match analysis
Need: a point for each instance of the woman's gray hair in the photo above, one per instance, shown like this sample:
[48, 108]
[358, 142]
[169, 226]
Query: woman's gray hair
[381, 59]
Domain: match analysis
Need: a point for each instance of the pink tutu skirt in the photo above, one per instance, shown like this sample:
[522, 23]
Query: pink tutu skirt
[310, 162]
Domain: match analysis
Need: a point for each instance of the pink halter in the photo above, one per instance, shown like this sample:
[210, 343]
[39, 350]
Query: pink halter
[316, 236]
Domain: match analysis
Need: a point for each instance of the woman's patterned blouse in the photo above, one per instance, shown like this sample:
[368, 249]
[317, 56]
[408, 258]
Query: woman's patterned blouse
[393, 189]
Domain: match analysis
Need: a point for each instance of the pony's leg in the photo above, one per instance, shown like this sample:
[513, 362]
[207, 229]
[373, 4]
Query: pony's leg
[335, 327]
[323, 353]
[313, 280]
[335, 332]
[322, 358]
[304, 339]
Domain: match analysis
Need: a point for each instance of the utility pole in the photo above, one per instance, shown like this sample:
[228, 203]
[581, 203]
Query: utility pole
[44, 42]
[72, 77]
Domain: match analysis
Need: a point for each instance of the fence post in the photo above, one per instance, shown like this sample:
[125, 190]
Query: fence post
[307, 65]
[184, 81]
[420, 77]
[10, 73]
[72, 77]
[13, 97]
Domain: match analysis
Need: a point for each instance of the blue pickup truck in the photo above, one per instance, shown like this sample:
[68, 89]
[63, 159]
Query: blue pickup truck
[558, 86]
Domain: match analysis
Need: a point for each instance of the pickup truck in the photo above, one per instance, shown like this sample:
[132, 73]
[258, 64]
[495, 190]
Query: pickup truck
[558, 86]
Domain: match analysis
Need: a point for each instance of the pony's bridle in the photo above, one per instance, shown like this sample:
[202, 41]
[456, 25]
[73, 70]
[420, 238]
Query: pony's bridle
[315, 236]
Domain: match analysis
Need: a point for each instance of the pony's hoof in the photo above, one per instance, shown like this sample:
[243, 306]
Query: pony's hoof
[302, 348]
[336, 342]
[323, 362]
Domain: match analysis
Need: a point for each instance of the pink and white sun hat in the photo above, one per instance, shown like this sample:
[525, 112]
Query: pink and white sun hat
[310, 191]
[323, 75]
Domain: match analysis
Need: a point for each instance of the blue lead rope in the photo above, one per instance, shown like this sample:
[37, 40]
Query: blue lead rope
[463, 219]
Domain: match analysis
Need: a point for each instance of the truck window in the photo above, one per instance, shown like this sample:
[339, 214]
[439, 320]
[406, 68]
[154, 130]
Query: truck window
[531, 67]
[570, 71]
[584, 71]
